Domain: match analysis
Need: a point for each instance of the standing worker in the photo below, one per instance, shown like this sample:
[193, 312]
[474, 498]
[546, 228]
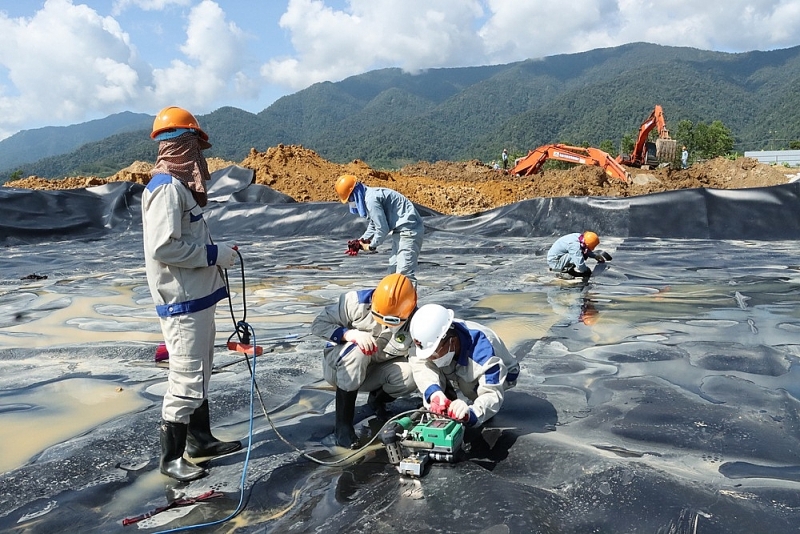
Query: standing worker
[684, 158]
[505, 159]
[569, 253]
[387, 212]
[184, 273]
[464, 353]
[368, 345]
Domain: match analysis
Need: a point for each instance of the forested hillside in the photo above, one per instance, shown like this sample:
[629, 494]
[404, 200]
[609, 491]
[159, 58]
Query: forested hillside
[388, 118]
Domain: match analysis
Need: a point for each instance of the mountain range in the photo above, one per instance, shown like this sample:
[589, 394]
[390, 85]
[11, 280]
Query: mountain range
[388, 117]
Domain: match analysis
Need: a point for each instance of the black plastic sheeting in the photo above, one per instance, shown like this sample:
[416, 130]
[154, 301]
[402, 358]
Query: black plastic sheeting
[768, 213]
[674, 411]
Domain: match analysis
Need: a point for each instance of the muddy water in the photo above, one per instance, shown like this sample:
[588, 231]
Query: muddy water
[33, 419]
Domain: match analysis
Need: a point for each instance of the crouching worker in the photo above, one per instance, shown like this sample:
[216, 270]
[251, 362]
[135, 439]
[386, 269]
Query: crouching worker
[368, 345]
[464, 353]
[569, 254]
[184, 273]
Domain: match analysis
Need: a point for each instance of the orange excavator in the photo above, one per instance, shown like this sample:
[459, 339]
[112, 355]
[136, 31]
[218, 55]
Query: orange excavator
[532, 163]
[647, 154]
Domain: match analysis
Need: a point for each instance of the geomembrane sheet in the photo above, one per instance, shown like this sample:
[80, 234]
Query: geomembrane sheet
[675, 410]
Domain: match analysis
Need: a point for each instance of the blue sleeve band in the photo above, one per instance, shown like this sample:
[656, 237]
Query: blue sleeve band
[492, 375]
[338, 335]
[431, 390]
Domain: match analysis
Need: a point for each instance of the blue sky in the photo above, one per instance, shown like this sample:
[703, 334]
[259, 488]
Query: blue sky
[67, 61]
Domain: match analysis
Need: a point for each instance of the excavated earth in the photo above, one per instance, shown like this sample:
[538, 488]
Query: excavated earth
[456, 188]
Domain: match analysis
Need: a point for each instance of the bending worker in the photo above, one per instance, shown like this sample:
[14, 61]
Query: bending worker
[387, 212]
[464, 353]
[569, 253]
[368, 345]
[184, 273]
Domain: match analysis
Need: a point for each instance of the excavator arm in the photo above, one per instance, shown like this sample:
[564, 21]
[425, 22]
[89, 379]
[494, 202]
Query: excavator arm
[532, 163]
[665, 147]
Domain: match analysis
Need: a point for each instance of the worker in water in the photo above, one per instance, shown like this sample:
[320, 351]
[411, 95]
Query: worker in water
[451, 352]
[569, 254]
[367, 350]
[387, 212]
[184, 273]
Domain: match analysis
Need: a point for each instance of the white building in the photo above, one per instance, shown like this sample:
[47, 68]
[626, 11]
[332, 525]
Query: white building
[780, 157]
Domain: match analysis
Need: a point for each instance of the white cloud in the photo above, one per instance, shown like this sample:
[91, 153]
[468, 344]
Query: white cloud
[411, 34]
[64, 60]
[67, 63]
[216, 53]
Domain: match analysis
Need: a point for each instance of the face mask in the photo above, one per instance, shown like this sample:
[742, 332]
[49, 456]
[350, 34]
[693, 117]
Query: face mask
[445, 360]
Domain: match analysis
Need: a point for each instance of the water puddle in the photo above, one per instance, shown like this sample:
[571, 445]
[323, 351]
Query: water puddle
[38, 417]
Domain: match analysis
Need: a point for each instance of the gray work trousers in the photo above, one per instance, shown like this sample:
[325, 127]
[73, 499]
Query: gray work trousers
[190, 341]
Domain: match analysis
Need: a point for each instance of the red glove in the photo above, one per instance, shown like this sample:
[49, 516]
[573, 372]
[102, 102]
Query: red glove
[353, 246]
[439, 403]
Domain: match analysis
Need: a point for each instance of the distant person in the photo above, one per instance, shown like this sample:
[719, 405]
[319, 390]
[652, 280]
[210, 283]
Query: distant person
[505, 159]
[463, 353]
[684, 159]
[184, 273]
[387, 212]
[569, 253]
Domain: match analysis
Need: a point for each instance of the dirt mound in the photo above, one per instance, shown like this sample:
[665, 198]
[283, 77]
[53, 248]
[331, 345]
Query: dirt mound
[457, 188]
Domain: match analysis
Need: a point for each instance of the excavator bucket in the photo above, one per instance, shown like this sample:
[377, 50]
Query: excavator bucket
[666, 149]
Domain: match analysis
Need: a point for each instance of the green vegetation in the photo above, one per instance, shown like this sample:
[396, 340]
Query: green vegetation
[714, 103]
[704, 141]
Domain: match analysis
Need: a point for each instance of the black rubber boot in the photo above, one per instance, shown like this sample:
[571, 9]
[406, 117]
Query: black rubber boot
[345, 412]
[200, 441]
[377, 401]
[173, 443]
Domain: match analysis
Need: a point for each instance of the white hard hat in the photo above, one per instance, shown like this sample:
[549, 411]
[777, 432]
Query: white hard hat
[429, 324]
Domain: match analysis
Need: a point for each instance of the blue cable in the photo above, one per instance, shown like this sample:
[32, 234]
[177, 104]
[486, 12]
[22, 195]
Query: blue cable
[247, 457]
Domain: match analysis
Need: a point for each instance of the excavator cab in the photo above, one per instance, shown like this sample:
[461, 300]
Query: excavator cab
[647, 154]
[650, 158]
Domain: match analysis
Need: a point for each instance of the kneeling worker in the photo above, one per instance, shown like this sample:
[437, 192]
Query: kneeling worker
[368, 345]
[465, 353]
[569, 253]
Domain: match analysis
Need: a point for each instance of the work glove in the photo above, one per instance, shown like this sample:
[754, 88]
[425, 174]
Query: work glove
[353, 246]
[439, 403]
[606, 256]
[364, 340]
[458, 410]
[226, 255]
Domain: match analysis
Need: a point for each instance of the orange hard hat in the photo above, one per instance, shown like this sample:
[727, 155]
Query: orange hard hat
[394, 300]
[173, 117]
[591, 240]
[344, 186]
